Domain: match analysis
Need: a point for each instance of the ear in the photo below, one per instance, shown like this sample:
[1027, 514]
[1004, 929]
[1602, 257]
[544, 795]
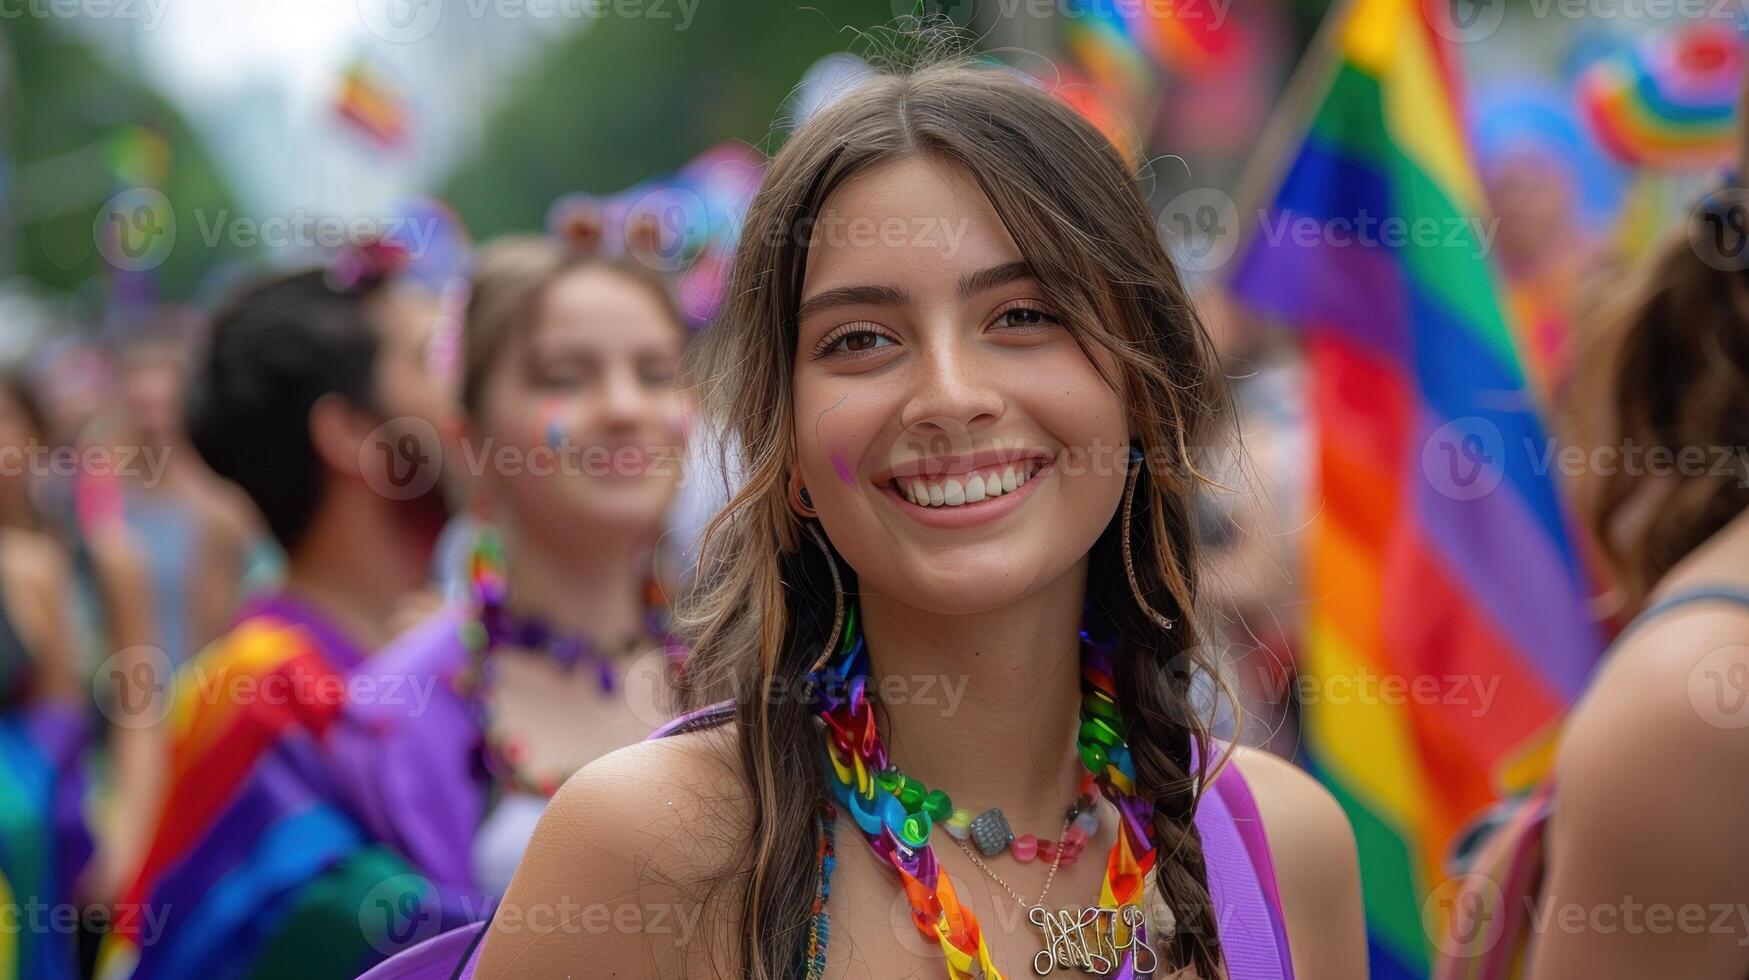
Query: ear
[339, 434]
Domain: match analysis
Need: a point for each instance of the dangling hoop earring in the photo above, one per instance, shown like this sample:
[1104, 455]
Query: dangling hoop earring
[1129, 567]
[837, 598]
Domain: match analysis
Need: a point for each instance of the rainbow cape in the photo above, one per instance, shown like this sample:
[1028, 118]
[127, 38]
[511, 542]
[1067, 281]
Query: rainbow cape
[1448, 625]
[257, 866]
[43, 840]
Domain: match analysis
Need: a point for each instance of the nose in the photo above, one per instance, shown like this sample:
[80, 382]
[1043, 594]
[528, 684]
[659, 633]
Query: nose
[954, 391]
[623, 398]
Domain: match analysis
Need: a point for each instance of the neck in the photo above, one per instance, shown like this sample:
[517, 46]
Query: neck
[355, 565]
[984, 706]
[592, 591]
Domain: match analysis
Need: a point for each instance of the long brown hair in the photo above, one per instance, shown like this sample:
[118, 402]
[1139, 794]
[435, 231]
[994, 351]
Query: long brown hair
[762, 601]
[1663, 363]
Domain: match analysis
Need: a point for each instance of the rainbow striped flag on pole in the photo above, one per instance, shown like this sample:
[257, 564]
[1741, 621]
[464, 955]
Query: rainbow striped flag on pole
[1448, 625]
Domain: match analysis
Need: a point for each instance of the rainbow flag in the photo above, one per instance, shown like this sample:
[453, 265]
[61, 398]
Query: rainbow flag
[372, 106]
[1448, 624]
[257, 866]
[43, 840]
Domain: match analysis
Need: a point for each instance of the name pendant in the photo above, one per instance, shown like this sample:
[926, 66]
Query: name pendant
[1088, 939]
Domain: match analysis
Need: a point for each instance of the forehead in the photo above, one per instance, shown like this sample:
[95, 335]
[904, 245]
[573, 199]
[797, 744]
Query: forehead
[919, 219]
[605, 307]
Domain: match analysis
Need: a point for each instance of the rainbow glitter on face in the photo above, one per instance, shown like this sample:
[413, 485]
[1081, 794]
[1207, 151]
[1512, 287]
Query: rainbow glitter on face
[549, 426]
[897, 814]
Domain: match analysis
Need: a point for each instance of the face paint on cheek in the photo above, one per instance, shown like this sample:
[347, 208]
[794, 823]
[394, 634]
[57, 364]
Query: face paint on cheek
[549, 425]
[843, 469]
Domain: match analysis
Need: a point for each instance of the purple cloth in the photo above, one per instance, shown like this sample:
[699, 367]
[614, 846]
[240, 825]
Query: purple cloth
[408, 752]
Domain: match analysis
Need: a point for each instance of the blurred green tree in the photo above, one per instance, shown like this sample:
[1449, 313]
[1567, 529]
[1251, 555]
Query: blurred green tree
[630, 98]
[74, 133]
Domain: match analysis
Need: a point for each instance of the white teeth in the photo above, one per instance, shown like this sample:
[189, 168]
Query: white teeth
[976, 486]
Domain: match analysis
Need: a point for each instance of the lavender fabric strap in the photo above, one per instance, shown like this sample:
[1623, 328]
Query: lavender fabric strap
[1242, 881]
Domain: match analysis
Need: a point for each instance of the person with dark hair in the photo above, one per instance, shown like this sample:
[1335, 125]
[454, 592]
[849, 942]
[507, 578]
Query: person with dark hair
[314, 398]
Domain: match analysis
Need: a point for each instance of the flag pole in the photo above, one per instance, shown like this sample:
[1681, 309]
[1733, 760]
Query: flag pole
[1267, 165]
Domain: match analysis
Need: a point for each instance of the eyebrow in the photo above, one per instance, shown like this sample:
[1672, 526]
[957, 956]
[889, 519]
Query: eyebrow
[970, 284]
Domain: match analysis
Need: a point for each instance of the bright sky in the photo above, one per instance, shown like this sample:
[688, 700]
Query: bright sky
[205, 48]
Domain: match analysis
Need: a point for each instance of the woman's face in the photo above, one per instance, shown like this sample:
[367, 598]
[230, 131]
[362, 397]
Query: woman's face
[930, 372]
[586, 402]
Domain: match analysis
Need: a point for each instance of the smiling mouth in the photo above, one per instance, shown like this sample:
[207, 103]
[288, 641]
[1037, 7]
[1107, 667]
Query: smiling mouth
[968, 488]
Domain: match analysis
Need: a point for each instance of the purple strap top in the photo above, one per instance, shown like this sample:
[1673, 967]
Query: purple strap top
[1242, 884]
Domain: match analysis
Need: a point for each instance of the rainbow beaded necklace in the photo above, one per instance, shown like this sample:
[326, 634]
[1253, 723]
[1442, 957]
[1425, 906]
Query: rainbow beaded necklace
[896, 815]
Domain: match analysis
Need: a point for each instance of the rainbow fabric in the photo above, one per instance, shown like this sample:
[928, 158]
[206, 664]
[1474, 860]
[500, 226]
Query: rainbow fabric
[1442, 561]
[1669, 102]
[43, 841]
[256, 867]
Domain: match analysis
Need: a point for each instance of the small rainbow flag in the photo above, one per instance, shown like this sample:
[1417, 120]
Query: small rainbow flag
[372, 106]
[1448, 626]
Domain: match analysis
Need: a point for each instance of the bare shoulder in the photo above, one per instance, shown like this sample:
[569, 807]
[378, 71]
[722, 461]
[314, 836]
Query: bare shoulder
[632, 866]
[1317, 867]
[1671, 708]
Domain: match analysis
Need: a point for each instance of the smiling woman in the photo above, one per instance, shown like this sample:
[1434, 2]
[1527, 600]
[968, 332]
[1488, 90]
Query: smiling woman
[967, 456]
